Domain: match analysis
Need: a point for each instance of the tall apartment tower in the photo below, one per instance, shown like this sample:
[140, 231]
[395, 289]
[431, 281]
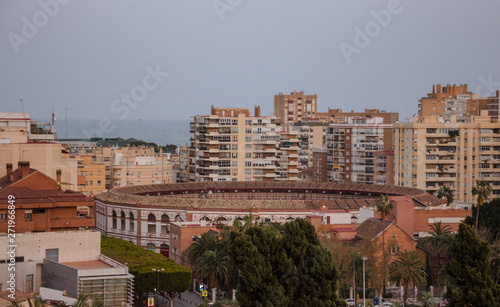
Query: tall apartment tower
[292, 108]
[231, 145]
[431, 152]
[449, 100]
[353, 150]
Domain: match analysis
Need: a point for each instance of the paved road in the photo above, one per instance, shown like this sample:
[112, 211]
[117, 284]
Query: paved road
[188, 299]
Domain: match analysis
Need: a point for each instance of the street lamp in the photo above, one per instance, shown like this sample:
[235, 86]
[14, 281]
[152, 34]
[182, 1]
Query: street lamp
[364, 284]
[354, 277]
[157, 285]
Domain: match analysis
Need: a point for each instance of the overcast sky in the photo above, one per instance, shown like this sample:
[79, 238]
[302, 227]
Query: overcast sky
[174, 59]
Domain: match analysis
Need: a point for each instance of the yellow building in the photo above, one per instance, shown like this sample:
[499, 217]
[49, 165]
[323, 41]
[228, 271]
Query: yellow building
[91, 175]
[133, 165]
[431, 152]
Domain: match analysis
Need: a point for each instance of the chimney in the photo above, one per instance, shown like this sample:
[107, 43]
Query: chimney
[9, 172]
[58, 178]
[24, 168]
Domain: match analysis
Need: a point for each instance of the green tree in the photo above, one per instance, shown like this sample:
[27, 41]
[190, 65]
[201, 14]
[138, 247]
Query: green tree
[408, 269]
[439, 239]
[173, 280]
[283, 265]
[214, 266]
[489, 219]
[445, 192]
[201, 244]
[468, 281]
[482, 190]
[384, 205]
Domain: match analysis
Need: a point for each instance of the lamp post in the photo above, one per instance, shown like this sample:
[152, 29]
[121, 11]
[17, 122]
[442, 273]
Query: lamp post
[364, 284]
[354, 281]
[157, 285]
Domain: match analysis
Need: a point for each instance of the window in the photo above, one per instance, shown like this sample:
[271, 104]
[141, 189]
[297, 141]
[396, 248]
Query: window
[29, 283]
[3, 216]
[131, 218]
[28, 215]
[114, 220]
[52, 254]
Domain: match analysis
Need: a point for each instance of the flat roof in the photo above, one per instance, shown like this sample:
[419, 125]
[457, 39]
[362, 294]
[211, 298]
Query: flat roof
[88, 265]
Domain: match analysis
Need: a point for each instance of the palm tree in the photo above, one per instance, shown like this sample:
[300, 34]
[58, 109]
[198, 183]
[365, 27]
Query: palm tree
[483, 191]
[201, 244]
[408, 269]
[214, 266]
[384, 205]
[439, 238]
[445, 192]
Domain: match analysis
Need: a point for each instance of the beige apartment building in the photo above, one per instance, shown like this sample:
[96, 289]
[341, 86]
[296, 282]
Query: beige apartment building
[23, 139]
[449, 100]
[290, 109]
[429, 154]
[353, 151]
[133, 165]
[91, 175]
[311, 134]
[232, 145]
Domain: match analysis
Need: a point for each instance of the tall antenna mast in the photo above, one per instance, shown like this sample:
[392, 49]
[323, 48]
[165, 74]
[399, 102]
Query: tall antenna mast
[24, 116]
[66, 123]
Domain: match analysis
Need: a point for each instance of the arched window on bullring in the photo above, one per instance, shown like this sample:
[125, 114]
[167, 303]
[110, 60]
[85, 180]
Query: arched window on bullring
[290, 219]
[131, 219]
[123, 220]
[151, 247]
[165, 224]
[114, 220]
[165, 249]
[205, 218]
[221, 220]
[151, 223]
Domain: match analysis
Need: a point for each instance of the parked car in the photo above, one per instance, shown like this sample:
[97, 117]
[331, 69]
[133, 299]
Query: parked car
[386, 304]
[350, 302]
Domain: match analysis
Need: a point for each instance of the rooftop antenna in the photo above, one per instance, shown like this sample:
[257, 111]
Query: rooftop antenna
[66, 123]
[22, 106]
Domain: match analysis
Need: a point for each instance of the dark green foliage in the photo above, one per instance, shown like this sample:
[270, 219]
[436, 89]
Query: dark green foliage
[428, 270]
[169, 148]
[174, 279]
[467, 279]
[283, 265]
[453, 134]
[226, 302]
[489, 217]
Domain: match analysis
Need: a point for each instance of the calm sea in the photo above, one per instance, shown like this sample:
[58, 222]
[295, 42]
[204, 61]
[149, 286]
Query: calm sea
[161, 132]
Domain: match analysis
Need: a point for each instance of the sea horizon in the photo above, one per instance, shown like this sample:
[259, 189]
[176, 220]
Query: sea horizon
[161, 132]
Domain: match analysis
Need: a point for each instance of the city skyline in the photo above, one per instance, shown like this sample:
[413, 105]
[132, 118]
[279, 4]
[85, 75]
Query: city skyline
[174, 60]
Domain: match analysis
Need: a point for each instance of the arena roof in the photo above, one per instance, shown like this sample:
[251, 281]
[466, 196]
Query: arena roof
[264, 195]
